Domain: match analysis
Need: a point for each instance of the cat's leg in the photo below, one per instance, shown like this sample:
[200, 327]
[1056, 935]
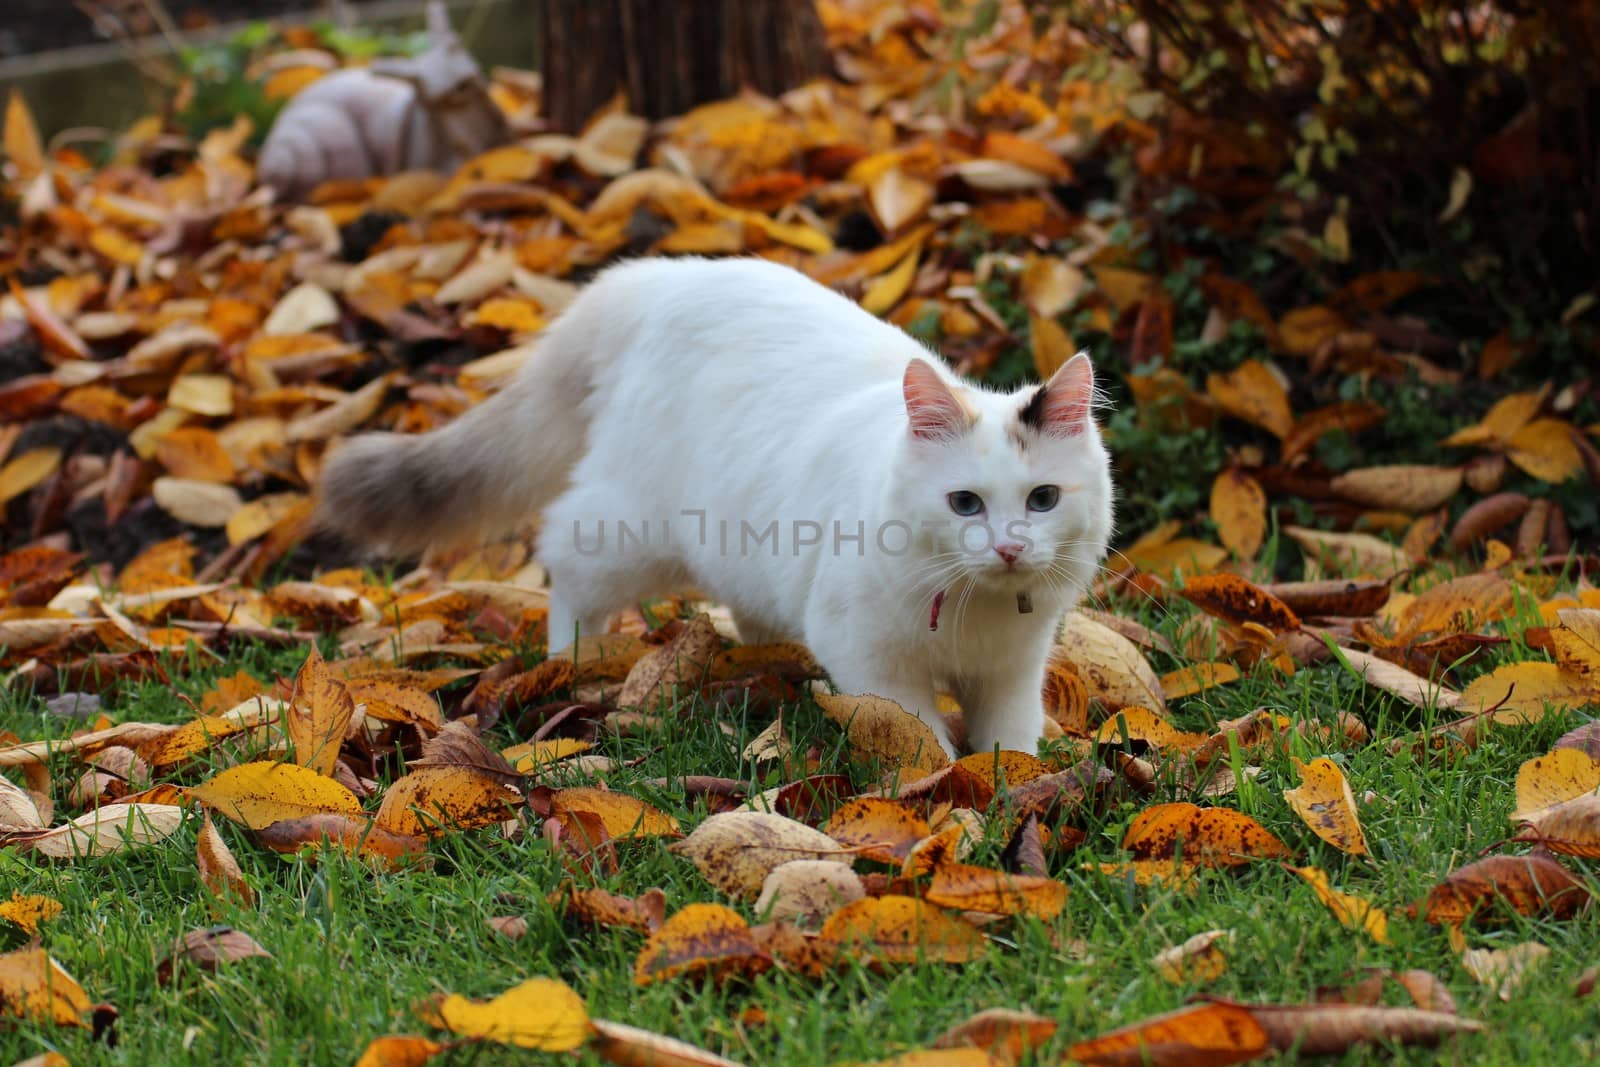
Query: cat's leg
[1004, 707]
[593, 569]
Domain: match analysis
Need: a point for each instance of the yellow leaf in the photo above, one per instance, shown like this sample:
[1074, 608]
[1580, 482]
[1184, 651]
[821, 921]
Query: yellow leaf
[1254, 394]
[27, 471]
[27, 911]
[623, 816]
[1051, 346]
[883, 729]
[1545, 449]
[1197, 678]
[1554, 778]
[35, 988]
[318, 715]
[541, 1013]
[1523, 692]
[260, 794]
[1323, 799]
[22, 143]
[1123, 288]
[431, 800]
[1351, 911]
[887, 289]
[1239, 509]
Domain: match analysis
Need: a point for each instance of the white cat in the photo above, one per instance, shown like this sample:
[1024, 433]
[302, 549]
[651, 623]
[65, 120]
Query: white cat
[734, 426]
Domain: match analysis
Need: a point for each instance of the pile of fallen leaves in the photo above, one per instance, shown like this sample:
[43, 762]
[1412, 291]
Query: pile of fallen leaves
[180, 350]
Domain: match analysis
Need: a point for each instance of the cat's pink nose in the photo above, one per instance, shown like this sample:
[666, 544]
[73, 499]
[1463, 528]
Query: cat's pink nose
[1009, 551]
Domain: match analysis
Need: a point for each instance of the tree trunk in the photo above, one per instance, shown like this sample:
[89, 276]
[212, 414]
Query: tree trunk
[670, 55]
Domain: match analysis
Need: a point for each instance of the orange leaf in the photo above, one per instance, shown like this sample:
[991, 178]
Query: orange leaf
[1239, 509]
[1204, 1035]
[882, 830]
[1236, 599]
[708, 938]
[1217, 837]
[1528, 885]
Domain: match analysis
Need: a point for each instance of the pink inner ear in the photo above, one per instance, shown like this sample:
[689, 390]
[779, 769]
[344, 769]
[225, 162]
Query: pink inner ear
[934, 411]
[1068, 397]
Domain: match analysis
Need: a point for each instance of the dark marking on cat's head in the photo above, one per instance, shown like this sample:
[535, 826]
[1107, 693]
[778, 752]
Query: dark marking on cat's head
[1032, 415]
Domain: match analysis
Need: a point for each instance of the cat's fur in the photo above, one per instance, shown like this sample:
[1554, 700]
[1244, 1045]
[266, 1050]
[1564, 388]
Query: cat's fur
[705, 400]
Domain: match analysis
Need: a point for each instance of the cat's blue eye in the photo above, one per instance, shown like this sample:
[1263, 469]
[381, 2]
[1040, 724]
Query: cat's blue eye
[964, 502]
[1044, 497]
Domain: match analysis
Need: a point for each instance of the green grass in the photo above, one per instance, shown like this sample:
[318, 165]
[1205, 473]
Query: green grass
[353, 950]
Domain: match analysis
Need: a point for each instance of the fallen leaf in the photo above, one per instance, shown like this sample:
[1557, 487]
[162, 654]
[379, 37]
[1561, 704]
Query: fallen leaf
[700, 938]
[1323, 799]
[807, 890]
[540, 1013]
[207, 949]
[1202, 1035]
[881, 729]
[1528, 885]
[1217, 837]
[27, 911]
[898, 929]
[219, 871]
[1351, 911]
[105, 830]
[259, 794]
[1254, 394]
[736, 851]
[432, 800]
[629, 1046]
[1504, 970]
[35, 988]
[1239, 509]
[1197, 960]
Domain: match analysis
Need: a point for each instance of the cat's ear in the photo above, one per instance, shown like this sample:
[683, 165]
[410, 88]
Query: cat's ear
[936, 413]
[1061, 407]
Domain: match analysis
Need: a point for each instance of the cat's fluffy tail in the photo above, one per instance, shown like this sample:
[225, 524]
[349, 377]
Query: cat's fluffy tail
[476, 478]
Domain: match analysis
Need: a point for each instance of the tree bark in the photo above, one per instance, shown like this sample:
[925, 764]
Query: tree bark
[669, 55]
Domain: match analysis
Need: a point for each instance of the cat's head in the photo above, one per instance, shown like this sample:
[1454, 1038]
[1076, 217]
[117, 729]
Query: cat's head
[1006, 490]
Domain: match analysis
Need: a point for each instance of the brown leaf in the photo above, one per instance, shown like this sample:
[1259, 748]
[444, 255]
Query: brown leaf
[354, 834]
[1111, 666]
[1330, 1029]
[883, 730]
[1254, 394]
[207, 949]
[877, 829]
[1230, 597]
[629, 1046]
[683, 664]
[1351, 417]
[1528, 885]
[599, 907]
[1009, 1034]
[318, 715]
[219, 871]
[624, 817]
[1335, 597]
[983, 889]
[1409, 488]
